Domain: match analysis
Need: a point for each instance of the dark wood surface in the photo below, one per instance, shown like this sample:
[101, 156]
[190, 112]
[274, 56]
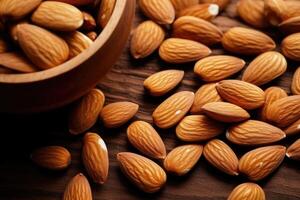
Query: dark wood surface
[20, 179]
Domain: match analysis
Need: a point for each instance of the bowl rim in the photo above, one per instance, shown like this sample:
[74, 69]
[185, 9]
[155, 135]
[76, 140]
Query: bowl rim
[71, 64]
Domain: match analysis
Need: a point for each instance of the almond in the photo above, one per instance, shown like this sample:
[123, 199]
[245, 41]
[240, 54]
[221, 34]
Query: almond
[243, 94]
[146, 39]
[160, 11]
[249, 191]
[182, 4]
[85, 113]
[221, 3]
[290, 46]
[216, 68]
[16, 9]
[253, 132]
[89, 23]
[296, 82]
[197, 128]
[284, 111]
[177, 50]
[173, 109]
[95, 157]
[52, 157]
[57, 16]
[225, 112]
[205, 94]
[293, 152]
[117, 114]
[290, 26]
[92, 35]
[265, 68]
[105, 11]
[145, 138]
[261, 162]
[42, 47]
[221, 156]
[293, 129]
[247, 41]
[77, 42]
[17, 62]
[276, 11]
[204, 11]
[78, 189]
[3, 45]
[162, 82]
[293, 7]
[182, 159]
[144, 173]
[77, 2]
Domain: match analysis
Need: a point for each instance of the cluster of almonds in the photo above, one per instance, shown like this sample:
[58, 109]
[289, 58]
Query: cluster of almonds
[38, 35]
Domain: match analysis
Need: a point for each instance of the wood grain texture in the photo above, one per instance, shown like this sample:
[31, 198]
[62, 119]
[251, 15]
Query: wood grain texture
[20, 179]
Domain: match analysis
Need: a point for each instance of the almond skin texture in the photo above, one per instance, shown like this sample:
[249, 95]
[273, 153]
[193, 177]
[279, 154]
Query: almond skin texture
[77, 42]
[182, 159]
[162, 82]
[207, 93]
[225, 112]
[85, 113]
[204, 11]
[293, 152]
[57, 16]
[290, 46]
[290, 26]
[247, 41]
[221, 156]
[293, 8]
[52, 157]
[95, 157]
[173, 109]
[253, 132]
[197, 128]
[261, 162]
[160, 11]
[200, 30]
[177, 50]
[77, 2]
[117, 114]
[145, 138]
[221, 3]
[16, 61]
[146, 39]
[284, 111]
[293, 129]
[265, 68]
[105, 12]
[247, 191]
[16, 9]
[216, 68]
[296, 82]
[243, 94]
[141, 171]
[78, 189]
[276, 11]
[182, 4]
[42, 47]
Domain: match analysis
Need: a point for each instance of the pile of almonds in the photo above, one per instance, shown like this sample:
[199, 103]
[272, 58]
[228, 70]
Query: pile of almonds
[38, 35]
[249, 115]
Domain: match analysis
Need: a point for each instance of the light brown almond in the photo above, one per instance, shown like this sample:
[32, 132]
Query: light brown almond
[16, 9]
[221, 3]
[78, 189]
[290, 46]
[249, 191]
[145, 138]
[143, 172]
[173, 109]
[197, 128]
[78, 2]
[293, 129]
[221, 156]
[78, 42]
[182, 159]
[182, 4]
[105, 12]
[291, 25]
[296, 82]
[89, 23]
[17, 62]
[293, 152]
[261, 162]
[206, 11]
[276, 11]
[293, 7]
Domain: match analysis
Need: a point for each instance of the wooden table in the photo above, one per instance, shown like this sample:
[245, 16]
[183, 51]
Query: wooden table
[22, 180]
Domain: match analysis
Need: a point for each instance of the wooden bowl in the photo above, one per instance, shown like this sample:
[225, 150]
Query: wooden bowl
[56, 87]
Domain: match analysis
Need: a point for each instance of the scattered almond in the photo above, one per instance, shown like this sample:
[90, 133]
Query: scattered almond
[293, 152]
[290, 46]
[206, 11]
[293, 129]
[105, 11]
[296, 82]
[16, 9]
[249, 191]
[221, 3]
[78, 2]
[78, 189]
[17, 62]
[78, 42]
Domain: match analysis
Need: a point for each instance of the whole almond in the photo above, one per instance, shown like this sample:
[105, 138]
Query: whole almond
[197, 128]
[78, 189]
[284, 111]
[290, 26]
[182, 4]
[221, 3]
[247, 41]
[52, 157]
[293, 129]
[276, 11]
[243, 94]
[205, 94]
[162, 82]
[290, 46]
[17, 62]
[200, 30]
[253, 132]
[296, 82]
[206, 11]
[78, 2]
[216, 68]
[146, 39]
[16, 9]
[293, 152]
[221, 156]
[78, 42]
[249, 191]
[177, 50]
[225, 112]
[261, 162]
[173, 109]
[105, 12]
[160, 11]
[95, 157]
[143, 172]
[117, 114]
[145, 138]
[265, 68]
[89, 23]
[85, 113]
[182, 159]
